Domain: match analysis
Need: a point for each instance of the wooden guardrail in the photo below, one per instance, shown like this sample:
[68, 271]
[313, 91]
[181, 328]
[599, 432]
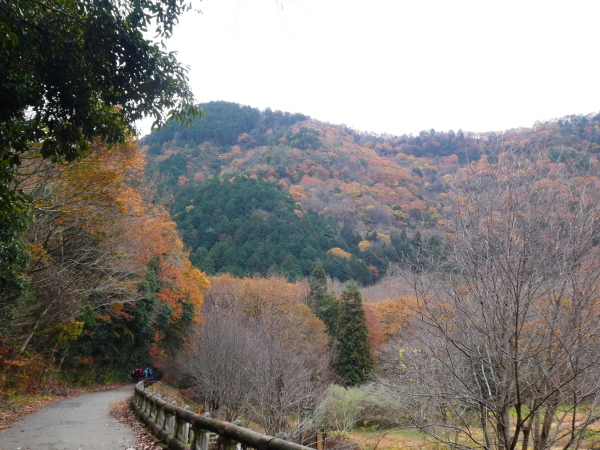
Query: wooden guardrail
[182, 429]
[166, 392]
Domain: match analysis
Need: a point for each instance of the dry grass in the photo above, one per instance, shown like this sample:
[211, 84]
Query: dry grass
[390, 440]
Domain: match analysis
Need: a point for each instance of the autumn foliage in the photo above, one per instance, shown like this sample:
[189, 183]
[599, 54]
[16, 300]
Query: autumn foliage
[363, 182]
[96, 241]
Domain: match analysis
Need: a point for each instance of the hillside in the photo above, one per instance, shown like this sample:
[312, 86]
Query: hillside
[384, 190]
[244, 226]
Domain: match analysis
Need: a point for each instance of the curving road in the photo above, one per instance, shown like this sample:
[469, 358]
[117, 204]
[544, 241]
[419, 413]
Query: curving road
[81, 422]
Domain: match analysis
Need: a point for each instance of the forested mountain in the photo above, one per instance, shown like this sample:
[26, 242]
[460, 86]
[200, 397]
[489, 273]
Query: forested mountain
[246, 226]
[381, 195]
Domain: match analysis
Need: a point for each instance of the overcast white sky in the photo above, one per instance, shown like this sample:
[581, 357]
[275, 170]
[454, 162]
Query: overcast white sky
[398, 66]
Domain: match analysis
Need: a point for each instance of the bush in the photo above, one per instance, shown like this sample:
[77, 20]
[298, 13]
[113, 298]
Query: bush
[344, 409]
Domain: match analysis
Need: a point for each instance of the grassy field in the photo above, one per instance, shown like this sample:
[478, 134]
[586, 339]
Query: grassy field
[390, 440]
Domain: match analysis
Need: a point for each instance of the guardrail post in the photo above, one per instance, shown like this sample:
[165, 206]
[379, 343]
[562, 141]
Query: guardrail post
[147, 405]
[154, 407]
[169, 426]
[160, 415]
[201, 437]
[182, 428]
[230, 444]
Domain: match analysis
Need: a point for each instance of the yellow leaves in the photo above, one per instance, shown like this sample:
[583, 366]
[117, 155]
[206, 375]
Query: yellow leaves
[38, 252]
[189, 207]
[394, 314]
[259, 296]
[194, 285]
[400, 215]
[101, 194]
[383, 238]
[297, 192]
[305, 329]
[364, 245]
[277, 304]
[339, 252]
[419, 164]
[67, 331]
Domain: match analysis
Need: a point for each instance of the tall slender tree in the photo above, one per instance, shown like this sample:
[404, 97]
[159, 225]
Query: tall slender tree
[322, 302]
[354, 361]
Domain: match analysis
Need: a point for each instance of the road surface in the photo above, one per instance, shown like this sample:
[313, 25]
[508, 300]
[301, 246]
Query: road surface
[81, 422]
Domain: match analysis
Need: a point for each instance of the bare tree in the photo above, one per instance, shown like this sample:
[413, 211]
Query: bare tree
[288, 383]
[219, 367]
[244, 367]
[508, 351]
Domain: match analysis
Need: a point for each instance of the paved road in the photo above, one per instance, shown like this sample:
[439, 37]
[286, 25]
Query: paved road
[76, 423]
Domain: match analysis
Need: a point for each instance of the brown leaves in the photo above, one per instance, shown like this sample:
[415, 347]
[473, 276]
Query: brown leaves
[122, 411]
[10, 414]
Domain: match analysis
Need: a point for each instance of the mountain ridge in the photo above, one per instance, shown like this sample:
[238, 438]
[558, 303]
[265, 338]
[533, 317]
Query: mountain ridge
[379, 186]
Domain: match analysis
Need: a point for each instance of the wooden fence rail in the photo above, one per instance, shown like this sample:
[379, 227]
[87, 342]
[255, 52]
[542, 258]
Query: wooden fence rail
[167, 392]
[182, 429]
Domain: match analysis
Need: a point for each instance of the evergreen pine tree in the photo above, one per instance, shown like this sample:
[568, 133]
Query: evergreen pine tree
[321, 302]
[318, 287]
[354, 352]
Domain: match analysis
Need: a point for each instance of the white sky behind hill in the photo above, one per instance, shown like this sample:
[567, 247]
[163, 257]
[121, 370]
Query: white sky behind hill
[397, 66]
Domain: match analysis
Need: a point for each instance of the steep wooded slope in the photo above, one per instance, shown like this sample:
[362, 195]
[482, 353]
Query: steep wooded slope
[372, 184]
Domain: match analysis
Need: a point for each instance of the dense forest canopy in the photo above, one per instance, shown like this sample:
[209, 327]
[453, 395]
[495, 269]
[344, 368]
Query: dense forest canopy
[382, 194]
[245, 226]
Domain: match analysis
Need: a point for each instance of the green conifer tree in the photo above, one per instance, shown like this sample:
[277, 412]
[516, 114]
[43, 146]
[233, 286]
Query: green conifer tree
[354, 352]
[318, 286]
[322, 302]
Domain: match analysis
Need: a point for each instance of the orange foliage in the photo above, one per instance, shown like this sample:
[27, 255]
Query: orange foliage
[394, 315]
[376, 337]
[103, 194]
[364, 245]
[339, 252]
[273, 295]
[279, 303]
